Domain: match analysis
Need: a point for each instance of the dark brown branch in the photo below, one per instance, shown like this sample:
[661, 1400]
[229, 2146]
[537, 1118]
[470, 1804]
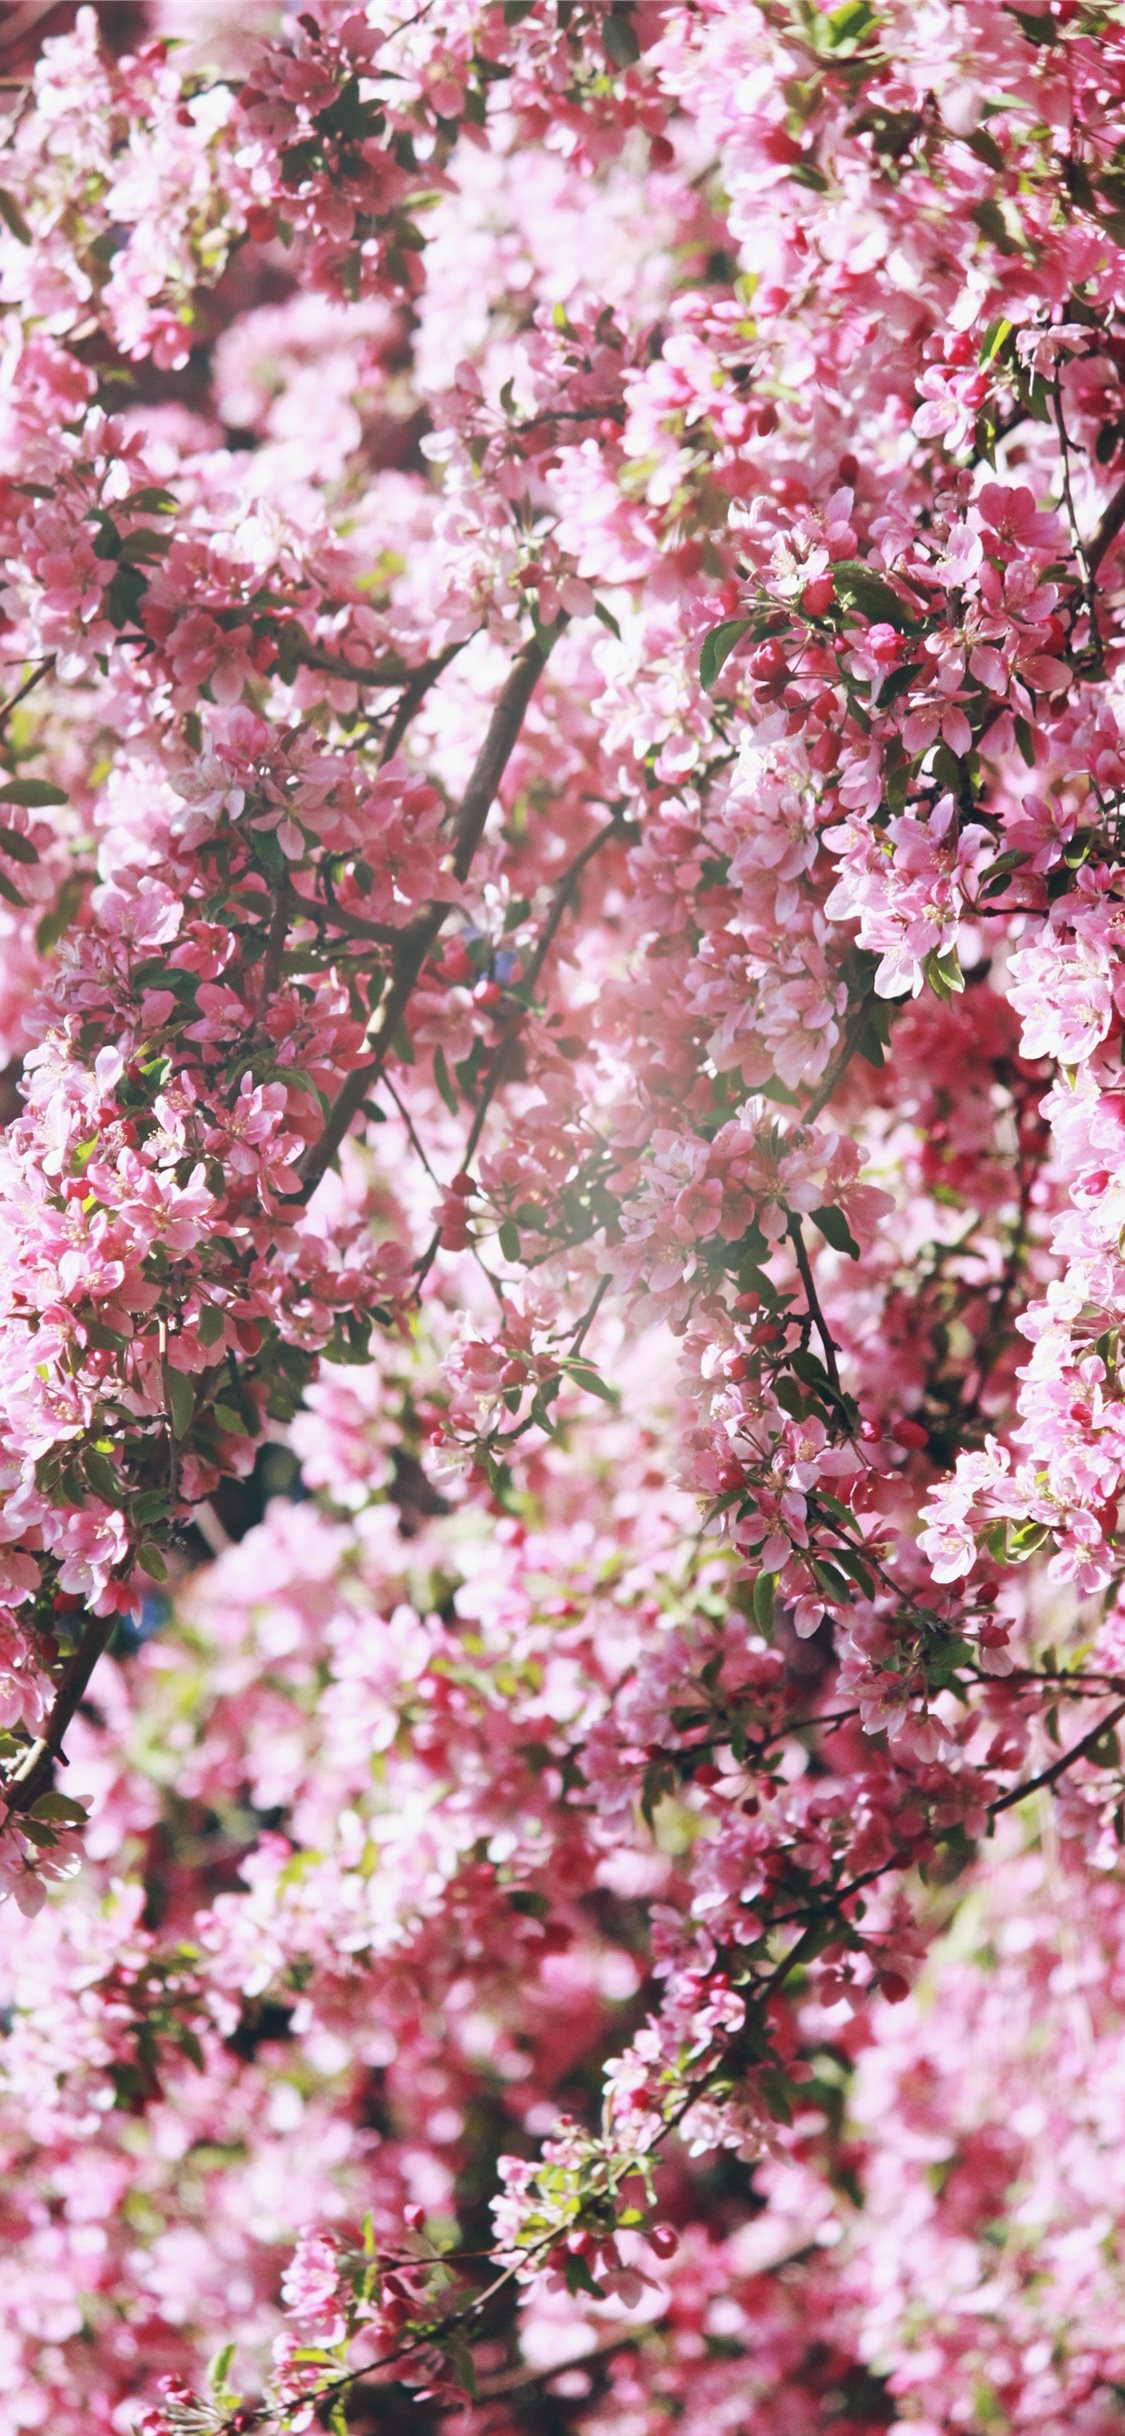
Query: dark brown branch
[815, 1314]
[419, 936]
[32, 1777]
[1107, 532]
[38, 673]
[502, 1054]
[1059, 1766]
[414, 694]
[275, 949]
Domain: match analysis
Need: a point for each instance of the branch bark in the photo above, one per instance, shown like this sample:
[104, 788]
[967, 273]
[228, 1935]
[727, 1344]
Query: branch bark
[419, 936]
[31, 1778]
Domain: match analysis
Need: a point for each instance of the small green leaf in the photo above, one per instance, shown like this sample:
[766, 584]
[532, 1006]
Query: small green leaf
[219, 2368]
[577, 2276]
[1037, 29]
[151, 501]
[151, 1561]
[510, 1240]
[59, 1810]
[13, 218]
[850, 22]
[444, 1081]
[765, 1589]
[860, 586]
[619, 37]
[994, 878]
[101, 1476]
[59, 916]
[717, 648]
[835, 1230]
[181, 1402]
[854, 1565]
[585, 1376]
[943, 972]
[20, 848]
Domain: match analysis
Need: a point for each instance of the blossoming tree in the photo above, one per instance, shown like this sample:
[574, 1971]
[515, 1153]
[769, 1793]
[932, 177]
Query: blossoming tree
[561, 1212]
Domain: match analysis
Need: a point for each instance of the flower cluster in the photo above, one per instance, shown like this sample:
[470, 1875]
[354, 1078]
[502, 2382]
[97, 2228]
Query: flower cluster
[562, 1435]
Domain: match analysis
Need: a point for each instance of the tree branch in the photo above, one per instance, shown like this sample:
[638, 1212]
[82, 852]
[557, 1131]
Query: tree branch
[815, 1314]
[23, 1787]
[1059, 1766]
[1112, 520]
[503, 1051]
[419, 936]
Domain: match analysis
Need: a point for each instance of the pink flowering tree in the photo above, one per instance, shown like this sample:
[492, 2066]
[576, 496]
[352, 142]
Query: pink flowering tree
[562, 1205]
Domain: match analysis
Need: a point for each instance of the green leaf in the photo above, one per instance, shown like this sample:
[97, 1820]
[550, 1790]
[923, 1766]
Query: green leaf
[1037, 29]
[850, 22]
[943, 972]
[765, 1589]
[1025, 1539]
[509, 1239]
[34, 793]
[717, 648]
[8, 890]
[872, 595]
[13, 218]
[607, 618]
[101, 1476]
[776, 2091]
[577, 2276]
[854, 1565]
[151, 501]
[988, 150]
[585, 1376]
[898, 682]
[151, 1561]
[210, 1324]
[834, 1583]
[181, 1402]
[143, 546]
[445, 1082]
[835, 1230]
[219, 2368]
[59, 916]
[20, 848]
[996, 875]
[59, 1810]
[619, 37]
[151, 1506]
[230, 1420]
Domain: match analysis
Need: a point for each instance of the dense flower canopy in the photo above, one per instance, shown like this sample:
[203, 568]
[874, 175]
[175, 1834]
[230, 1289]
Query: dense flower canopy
[562, 1203]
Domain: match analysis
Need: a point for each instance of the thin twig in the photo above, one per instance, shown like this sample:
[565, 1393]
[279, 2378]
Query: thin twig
[1113, 517]
[502, 1054]
[1059, 1766]
[38, 673]
[21, 1790]
[812, 1300]
[414, 694]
